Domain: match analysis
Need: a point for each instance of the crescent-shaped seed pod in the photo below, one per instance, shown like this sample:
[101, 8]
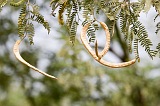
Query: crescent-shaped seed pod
[18, 56]
[107, 44]
[93, 54]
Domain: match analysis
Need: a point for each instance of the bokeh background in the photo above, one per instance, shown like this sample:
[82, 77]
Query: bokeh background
[81, 80]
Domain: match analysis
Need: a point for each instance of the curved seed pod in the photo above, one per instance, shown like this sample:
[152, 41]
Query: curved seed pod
[18, 56]
[107, 45]
[93, 54]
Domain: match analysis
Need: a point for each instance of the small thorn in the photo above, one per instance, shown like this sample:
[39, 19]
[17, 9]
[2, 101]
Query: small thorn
[96, 50]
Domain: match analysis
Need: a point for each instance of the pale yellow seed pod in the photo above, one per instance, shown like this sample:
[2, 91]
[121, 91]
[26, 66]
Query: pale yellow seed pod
[18, 56]
[104, 51]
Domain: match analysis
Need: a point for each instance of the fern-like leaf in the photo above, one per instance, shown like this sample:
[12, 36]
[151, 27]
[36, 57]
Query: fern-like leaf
[71, 21]
[54, 4]
[73, 14]
[68, 14]
[30, 32]
[153, 52]
[124, 24]
[142, 35]
[87, 9]
[136, 49]
[60, 15]
[137, 8]
[25, 26]
[114, 8]
[158, 49]
[16, 4]
[130, 40]
[2, 3]
[84, 22]
[35, 9]
[158, 27]
[113, 4]
[40, 19]
[91, 33]
[22, 22]
[156, 4]
[73, 31]
[91, 30]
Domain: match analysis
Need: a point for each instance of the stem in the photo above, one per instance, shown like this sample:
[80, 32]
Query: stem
[123, 45]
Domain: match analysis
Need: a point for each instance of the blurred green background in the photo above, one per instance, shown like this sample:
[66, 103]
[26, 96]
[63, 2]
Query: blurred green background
[81, 80]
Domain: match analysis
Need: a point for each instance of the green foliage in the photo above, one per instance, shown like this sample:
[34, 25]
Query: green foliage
[88, 9]
[71, 11]
[16, 4]
[131, 28]
[136, 49]
[71, 8]
[73, 32]
[2, 3]
[60, 15]
[71, 21]
[22, 21]
[25, 26]
[142, 35]
[158, 27]
[54, 4]
[91, 30]
[114, 8]
[81, 82]
[156, 4]
[93, 27]
[30, 32]
[158, 48]
[126, 12]
[40, 19]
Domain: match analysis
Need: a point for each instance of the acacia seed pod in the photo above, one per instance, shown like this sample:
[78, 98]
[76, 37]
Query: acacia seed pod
[18, 56]
[93, 54]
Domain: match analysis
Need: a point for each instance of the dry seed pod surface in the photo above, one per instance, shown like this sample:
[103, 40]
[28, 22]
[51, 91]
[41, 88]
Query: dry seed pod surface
[93, 54]
[107, 44]
[18, 56]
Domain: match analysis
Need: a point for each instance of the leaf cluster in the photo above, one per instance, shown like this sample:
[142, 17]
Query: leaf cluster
[91, 30]
[69, 12]
[25, 25]
[134, 32]
[16, 4]
[2, 4]
[71, 8]
[29, 13]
